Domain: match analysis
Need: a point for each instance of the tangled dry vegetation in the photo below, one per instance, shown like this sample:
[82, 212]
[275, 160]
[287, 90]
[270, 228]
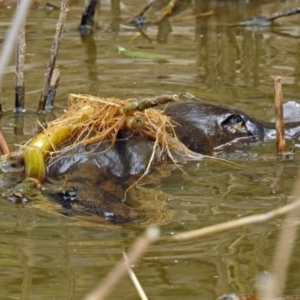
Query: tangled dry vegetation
[91, 119]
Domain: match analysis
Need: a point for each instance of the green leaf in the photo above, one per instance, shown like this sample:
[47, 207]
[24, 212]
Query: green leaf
[139, 54]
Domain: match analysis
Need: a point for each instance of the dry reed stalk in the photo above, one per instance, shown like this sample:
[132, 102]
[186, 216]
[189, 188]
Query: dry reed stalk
[20, 59]
[136, 251]
[236, 223]
[11, 36]
[134, 279]
[3, 145]
[279, 120]
[274, 287]
[54, 52]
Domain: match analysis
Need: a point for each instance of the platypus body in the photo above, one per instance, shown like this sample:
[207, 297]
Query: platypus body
[97, 178]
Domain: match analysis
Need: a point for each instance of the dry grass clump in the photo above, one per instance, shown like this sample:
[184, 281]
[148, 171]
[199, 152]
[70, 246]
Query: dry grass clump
[93, 119]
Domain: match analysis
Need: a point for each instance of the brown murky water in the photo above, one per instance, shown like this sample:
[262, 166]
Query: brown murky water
[47, 256]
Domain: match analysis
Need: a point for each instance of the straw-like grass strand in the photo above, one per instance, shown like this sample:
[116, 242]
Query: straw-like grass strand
[90, 120]
[136, 251]
[98, 119]
[276, 283]
[134, 279]
[213, 229]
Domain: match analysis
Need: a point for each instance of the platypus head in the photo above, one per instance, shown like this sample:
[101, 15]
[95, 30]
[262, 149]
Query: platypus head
[203, 127]
[254, 127]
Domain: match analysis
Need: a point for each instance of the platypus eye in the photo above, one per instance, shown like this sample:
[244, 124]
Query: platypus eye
[234, 123]
[232, 120]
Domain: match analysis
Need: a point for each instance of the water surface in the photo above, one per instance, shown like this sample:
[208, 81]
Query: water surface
[47, 256]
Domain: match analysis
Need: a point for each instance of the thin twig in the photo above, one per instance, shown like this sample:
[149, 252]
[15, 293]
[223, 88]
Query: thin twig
[285, 13]
[11, 36]
[279, 121]
[166, 11]
[137, 250]
[266, 20]
[134, 279]
[54, 52]
[145, 8]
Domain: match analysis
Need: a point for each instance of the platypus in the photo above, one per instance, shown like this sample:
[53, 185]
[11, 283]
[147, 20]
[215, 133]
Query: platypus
[204, 127]
[96, 178]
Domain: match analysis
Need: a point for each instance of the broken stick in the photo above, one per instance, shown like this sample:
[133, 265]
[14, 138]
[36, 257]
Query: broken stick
[3, 145]
[279, 121]
[52, 89]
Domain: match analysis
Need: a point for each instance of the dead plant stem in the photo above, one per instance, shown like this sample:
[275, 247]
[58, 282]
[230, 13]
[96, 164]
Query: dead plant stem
[279, 121]
[285, 13]
[276, 283]
[137, 250]
[54, 52]
[134, 279]
[20, 59]
[3, 145]
[11, 35]
[236, 223]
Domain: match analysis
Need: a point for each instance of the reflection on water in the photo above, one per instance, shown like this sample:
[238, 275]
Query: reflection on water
[45, 255]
